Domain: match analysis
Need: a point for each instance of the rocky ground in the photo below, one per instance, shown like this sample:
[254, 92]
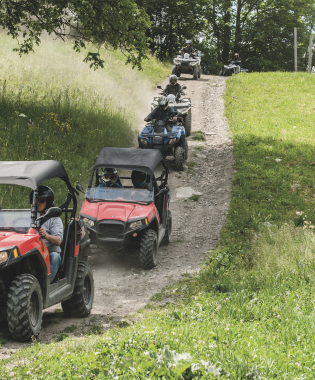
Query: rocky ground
[122, 287]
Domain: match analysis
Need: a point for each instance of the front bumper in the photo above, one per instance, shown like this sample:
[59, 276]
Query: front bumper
[114, 236]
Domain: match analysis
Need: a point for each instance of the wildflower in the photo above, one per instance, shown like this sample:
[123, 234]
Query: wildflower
[48, 372]
[28, 372]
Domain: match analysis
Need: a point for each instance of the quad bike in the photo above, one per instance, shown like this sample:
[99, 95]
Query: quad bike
[187, 64]
[182, 106]
[232, 68]
[167, 136]
[126, 219]
[25, 288]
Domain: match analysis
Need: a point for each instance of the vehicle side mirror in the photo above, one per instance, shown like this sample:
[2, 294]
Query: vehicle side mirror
[184, 87]
[53, 212]
[159, 87]
[162, 192]
[80, 188]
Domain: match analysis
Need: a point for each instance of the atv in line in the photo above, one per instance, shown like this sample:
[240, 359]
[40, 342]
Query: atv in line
[182, 106]
[25, 288]
[187, 64]
[167, 136]
[127, 219]
[231, 69]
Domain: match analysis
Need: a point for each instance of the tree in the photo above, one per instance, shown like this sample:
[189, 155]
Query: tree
[172, 22]
[118, 23]
[261, 31]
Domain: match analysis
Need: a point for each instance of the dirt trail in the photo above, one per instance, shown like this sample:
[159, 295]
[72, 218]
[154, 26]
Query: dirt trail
[121, 286]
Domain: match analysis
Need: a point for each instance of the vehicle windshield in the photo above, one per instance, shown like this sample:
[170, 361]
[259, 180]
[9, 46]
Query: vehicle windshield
[17, 220]
[116, 194]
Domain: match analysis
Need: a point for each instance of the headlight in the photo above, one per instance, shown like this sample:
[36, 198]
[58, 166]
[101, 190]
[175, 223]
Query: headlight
[144, 141]
[177, 61]
[88, 222]
[172, 141]
[193, 63]
[4, 256]
[134, 225]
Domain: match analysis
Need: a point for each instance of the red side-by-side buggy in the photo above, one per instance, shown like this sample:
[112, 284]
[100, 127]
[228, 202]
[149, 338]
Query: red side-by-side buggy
[25, 288]
[127, 219]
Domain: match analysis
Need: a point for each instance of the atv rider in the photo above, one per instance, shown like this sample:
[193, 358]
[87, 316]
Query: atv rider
[139, 180]
[109, 178]
[188, 49]
[52, 230]
[173, 87]
[162, 112]
[236, 59]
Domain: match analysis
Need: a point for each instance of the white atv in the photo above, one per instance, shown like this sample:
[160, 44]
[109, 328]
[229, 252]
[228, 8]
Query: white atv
[189, 64]
[182, 106]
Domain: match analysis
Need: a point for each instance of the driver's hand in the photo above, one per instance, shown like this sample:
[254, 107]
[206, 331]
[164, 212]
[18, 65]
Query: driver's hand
[146, 119]
[42, 232]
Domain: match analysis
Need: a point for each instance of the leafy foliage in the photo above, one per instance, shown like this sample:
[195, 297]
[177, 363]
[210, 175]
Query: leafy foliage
[119, 24]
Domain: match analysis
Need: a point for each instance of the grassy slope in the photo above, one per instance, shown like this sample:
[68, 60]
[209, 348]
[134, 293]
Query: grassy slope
[70, 111]
[250, 312]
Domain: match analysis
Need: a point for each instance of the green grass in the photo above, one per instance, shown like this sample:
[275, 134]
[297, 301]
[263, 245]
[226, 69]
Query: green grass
[249, 313]
[54, 107]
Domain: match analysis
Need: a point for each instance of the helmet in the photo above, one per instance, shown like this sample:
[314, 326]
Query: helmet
[173, 79]
[44, 192]
[236, 54]
[188, 42]
[138, 178]
[163, 102]
[109, 176]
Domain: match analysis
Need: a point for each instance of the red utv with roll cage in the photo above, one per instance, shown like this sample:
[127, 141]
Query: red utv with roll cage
[128, 219]
[25, 288]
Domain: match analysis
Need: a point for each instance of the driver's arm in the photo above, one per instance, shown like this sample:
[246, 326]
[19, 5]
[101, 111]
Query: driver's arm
[151, 115]
[54, 240]
[54, 232]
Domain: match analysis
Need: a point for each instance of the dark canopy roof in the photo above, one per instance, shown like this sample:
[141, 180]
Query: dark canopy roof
[30, 173]
[145, 160]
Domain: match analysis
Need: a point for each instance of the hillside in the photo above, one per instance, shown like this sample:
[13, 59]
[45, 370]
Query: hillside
[53, 106]
[249, 313]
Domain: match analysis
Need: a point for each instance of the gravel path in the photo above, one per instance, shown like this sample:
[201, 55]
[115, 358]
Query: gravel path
[121, 286]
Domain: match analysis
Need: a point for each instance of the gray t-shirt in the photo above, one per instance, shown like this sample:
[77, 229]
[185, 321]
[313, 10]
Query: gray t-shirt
[53, 227]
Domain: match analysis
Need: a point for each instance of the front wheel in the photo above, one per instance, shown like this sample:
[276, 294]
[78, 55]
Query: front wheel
[25, 308]
[179, 155]
[81, 302]
[187, 124]
[221, 73]
[199, 73]
[148, 250]
[195, 73]
[186, 149]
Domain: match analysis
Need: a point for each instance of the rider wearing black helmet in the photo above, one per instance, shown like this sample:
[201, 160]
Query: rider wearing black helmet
[236, 59]
[173, 87]
[52, 230]
[163, 111]
[188, 48]
[139, 180]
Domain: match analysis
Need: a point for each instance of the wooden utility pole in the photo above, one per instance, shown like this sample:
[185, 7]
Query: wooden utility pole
[310, 54]
[295, 49]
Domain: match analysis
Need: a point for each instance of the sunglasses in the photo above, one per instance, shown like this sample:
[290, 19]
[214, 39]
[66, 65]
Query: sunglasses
[41, 200]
